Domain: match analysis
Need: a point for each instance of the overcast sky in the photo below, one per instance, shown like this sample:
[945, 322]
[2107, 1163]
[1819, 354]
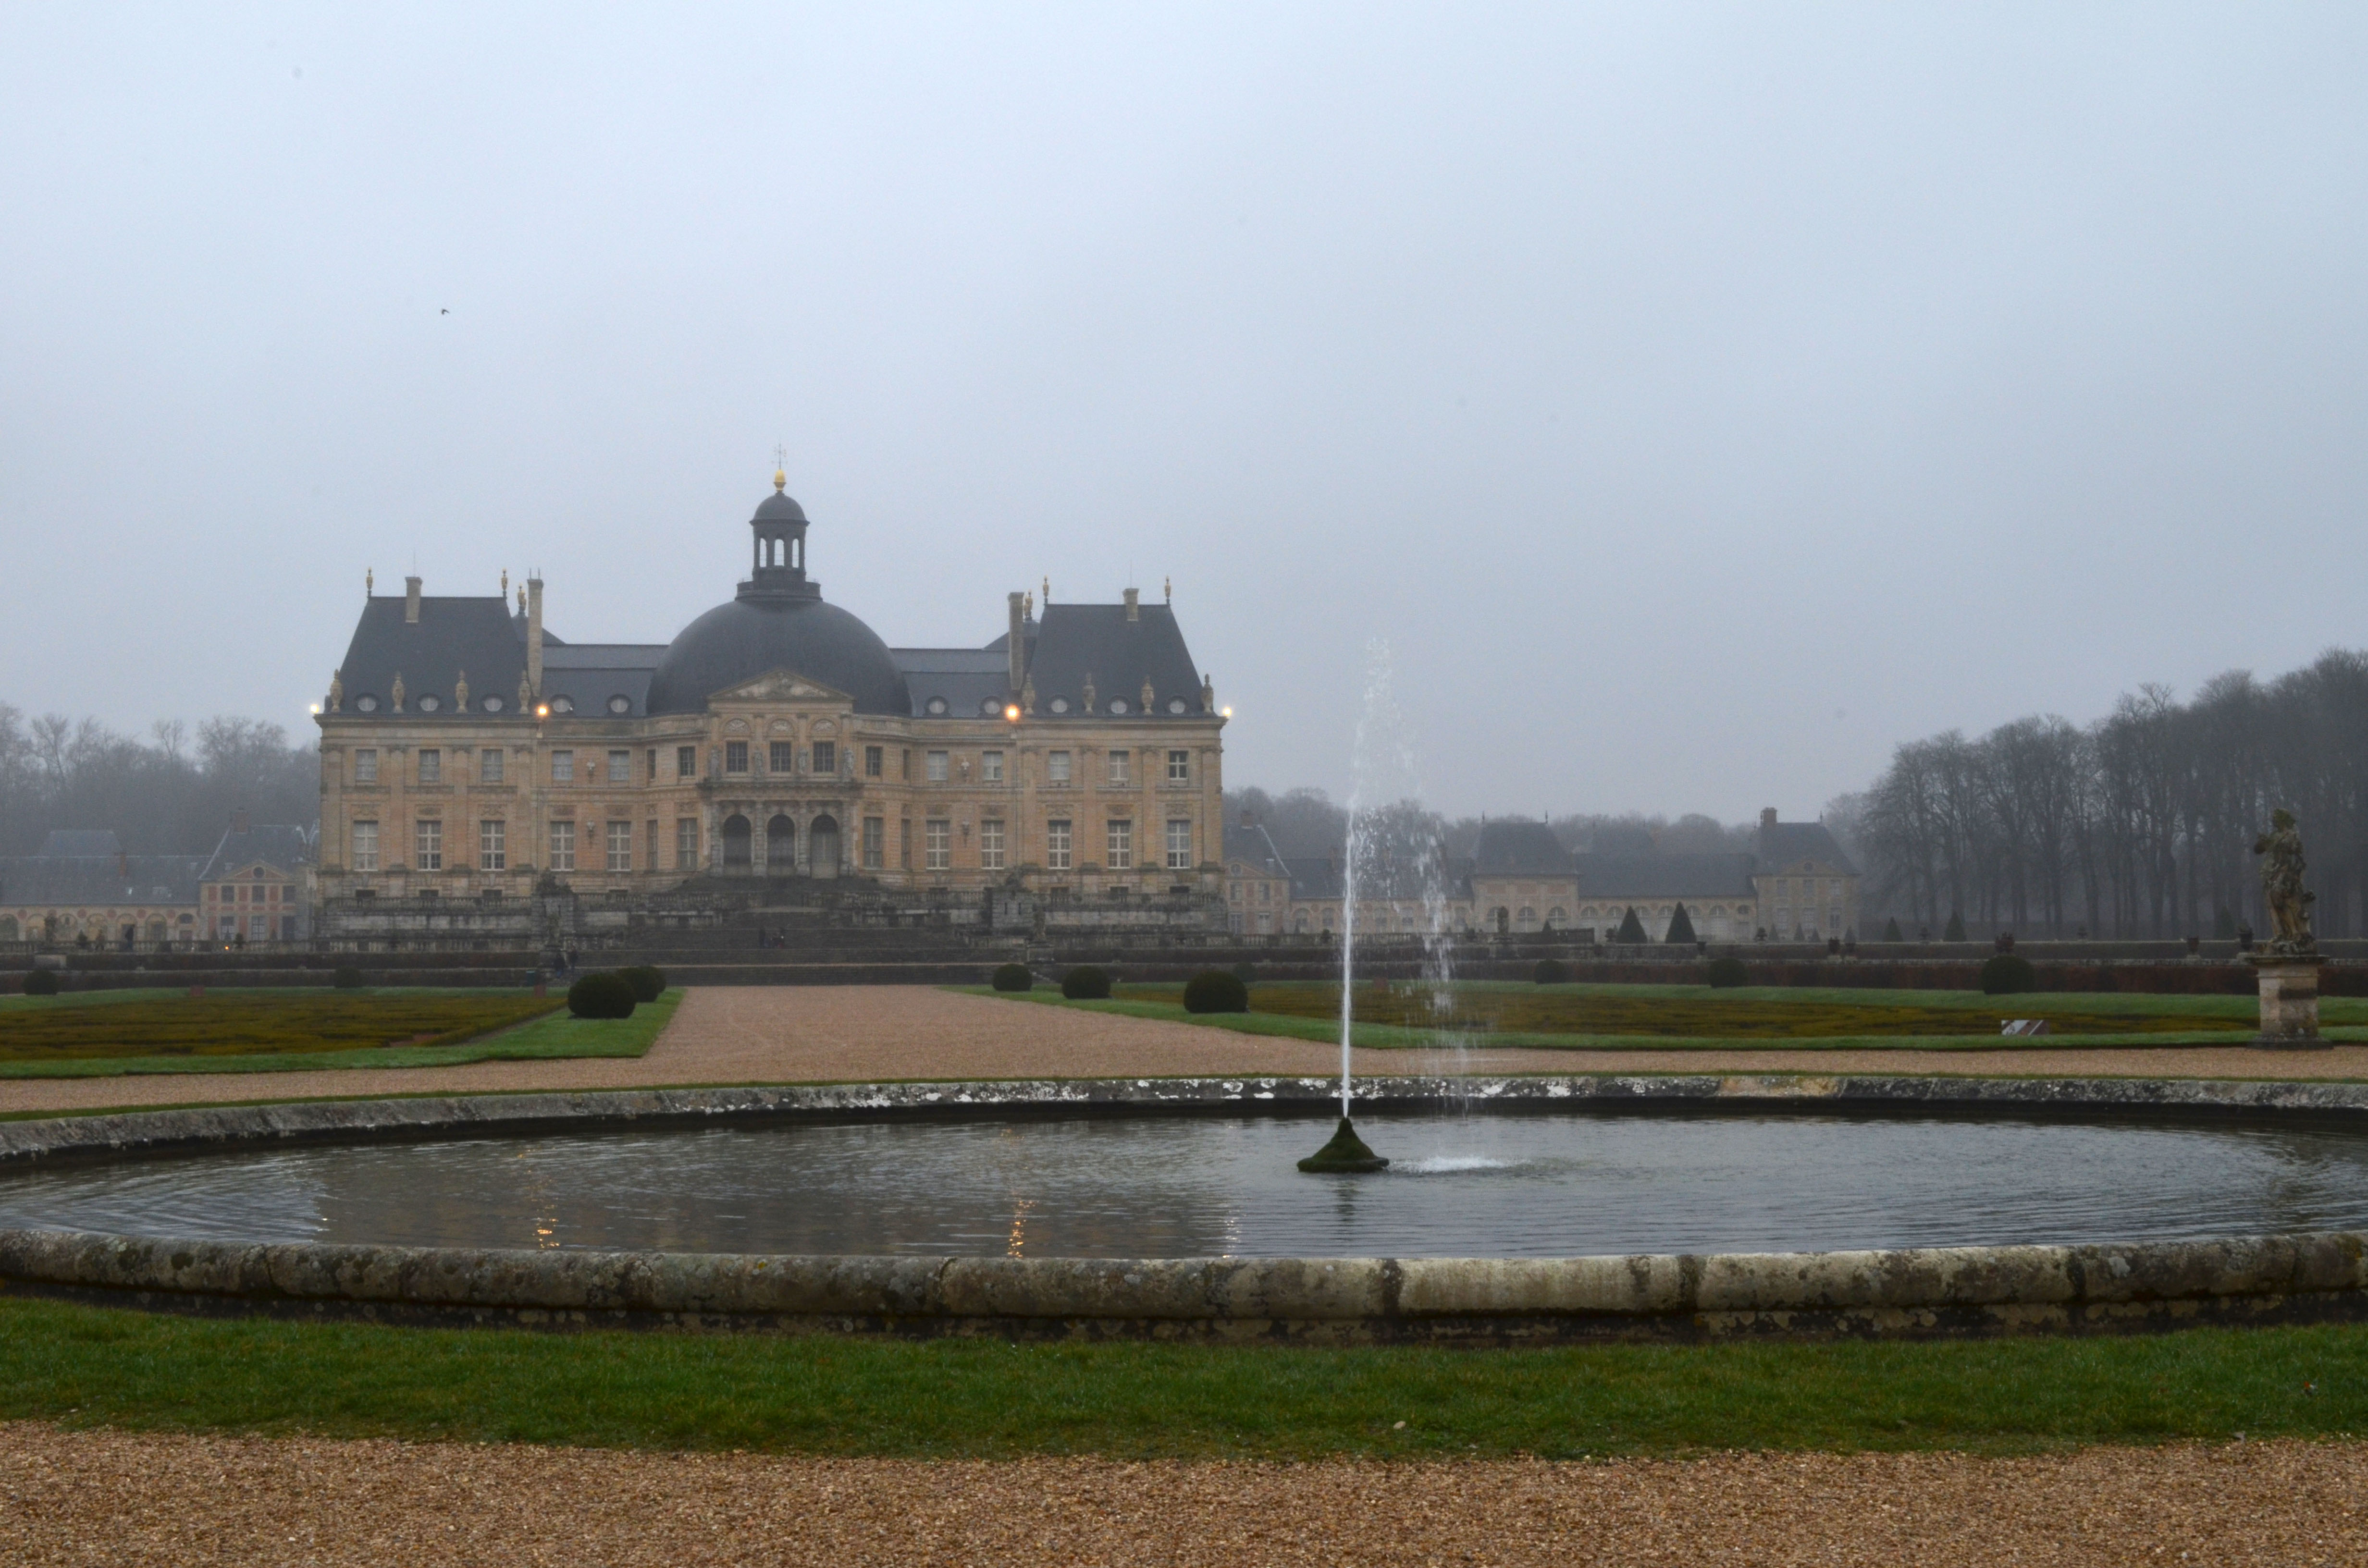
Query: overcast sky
[1700, 400]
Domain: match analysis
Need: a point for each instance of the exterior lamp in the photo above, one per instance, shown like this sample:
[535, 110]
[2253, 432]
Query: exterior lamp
[542, 710]
[1011, 712]
[1226, 712]
[314, 710]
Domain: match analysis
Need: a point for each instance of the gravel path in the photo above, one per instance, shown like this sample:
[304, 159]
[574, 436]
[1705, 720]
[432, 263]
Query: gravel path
[93, 1497]
[859, 1033]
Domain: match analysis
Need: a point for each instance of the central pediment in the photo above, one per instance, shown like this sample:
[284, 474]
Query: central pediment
[779, 686]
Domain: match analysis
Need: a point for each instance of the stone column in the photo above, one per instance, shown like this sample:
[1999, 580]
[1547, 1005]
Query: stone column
[2289, 1001]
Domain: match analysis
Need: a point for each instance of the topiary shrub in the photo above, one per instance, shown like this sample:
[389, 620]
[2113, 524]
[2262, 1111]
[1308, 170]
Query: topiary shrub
[1890, 931]
[42, 982]
[603, 993]
[348, 977]
[1245, 971]
[2005, 974]
[1550, 971]
[1215, 990]
[1682, 926]
[1087, 982]
[1726, 972]
[648, 979]
[1956, 930]
[1630, 930]
[1013, 977]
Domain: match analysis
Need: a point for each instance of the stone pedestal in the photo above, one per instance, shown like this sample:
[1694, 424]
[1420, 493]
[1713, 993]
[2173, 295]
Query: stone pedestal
[2289, 1001]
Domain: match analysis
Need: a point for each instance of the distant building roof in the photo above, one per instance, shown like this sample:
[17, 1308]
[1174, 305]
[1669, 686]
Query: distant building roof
[61, 881]
[958, 683]
[1618, 877]
[81, 841]
[1519, 849]
[1783, 846]
[278, 845]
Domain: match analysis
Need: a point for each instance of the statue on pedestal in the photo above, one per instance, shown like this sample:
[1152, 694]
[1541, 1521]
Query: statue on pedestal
[2289, 902]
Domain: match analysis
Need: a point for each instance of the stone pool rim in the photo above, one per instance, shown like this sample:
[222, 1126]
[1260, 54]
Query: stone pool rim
[1925, 1291]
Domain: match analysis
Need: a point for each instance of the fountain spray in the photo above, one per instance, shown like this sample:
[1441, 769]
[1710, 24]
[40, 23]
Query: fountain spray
[1346, 1151]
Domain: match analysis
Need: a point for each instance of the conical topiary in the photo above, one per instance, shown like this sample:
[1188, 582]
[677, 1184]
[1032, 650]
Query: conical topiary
[1630, 930]
[1890, 931]
[1955, 931]
[1682, 926]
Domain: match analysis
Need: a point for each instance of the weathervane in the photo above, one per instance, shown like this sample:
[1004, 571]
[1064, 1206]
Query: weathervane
[780, 466]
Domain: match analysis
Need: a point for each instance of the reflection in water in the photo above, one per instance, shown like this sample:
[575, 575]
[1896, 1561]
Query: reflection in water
[1532, 1185]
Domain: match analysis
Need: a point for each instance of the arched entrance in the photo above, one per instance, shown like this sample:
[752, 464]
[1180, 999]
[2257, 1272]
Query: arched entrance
[822, 846]
[735, 843]
[781, 846]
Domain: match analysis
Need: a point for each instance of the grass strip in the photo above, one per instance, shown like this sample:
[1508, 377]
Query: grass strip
[967, 1398]
[1392, 1037]
[554, 1035]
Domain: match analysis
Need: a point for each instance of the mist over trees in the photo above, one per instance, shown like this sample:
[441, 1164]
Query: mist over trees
[172, 793]
[1310, 822]
[2139, 825]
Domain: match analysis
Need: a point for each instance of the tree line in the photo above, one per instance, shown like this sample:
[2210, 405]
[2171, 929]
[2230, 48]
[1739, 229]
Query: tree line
[2139, 825]
[172, 793]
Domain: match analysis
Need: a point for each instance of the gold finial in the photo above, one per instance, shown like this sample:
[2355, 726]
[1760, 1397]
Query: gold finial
[1048, 590]
[780, 468]
[521, 598]
[505, 582]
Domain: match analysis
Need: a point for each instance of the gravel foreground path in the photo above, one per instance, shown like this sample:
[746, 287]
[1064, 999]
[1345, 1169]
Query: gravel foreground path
[88, 1497]
[778, 1034]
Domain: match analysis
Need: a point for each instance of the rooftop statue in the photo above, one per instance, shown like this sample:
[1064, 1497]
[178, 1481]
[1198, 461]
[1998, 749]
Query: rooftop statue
[2282, 888]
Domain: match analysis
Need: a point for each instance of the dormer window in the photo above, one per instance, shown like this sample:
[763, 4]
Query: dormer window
[1060, 705]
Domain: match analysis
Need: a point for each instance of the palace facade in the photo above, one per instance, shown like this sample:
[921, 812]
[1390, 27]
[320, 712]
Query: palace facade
[1074, 764]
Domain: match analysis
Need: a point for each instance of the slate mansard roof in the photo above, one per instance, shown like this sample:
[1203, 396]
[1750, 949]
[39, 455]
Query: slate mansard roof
[1519, 849]
[476, 636]
[57, 881]
[281, 846]
[1075, 642]
[1785, 846]
[1617, 877]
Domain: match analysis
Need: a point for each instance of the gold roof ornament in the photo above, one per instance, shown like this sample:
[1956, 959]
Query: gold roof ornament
[1168, 589]
[369, 581]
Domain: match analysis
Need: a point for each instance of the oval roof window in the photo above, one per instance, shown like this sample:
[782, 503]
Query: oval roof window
[366, 704]
[492, 704]
[620, 703]
[1060, 705]
[429, 703]
[989, 707]
[563, 705]
[936, 705]
[1117, 705]
[1176, 705]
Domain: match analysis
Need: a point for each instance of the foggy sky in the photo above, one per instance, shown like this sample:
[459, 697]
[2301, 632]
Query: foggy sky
[1700, 400]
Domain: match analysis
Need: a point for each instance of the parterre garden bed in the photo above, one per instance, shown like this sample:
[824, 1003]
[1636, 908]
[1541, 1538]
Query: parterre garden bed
[242, 1023]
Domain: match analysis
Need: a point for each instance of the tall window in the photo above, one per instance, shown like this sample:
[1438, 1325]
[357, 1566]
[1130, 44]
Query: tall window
[563, 768]
[1179, 844]
[1056, 768]
[366, 765]
[364, 847]
[825, 758]
[651, 762]
[990, 844]
[736, 756]
[428, 854]
[621, 846]
[1121, 845]
[1117, 772]
[621, 767]
[875, 841]
[650, 845]
[936, 767]
[785, 756]
[905, 844]
[686, 762]
[431, 766]
[1057, 845]
[1179, 768]
[936, 848]
[874, 758]
[489, 766]
[490, 855]
[686, 844]
[563, 846]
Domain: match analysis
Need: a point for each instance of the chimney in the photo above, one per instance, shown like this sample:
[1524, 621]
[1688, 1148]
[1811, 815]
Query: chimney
[1019, 641]
[411, 601]
[238, 821]
[1134, 606]
[534, 633]
[1768, 816]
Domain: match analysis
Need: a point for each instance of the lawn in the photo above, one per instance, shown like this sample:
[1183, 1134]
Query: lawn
[280, 1030]
[91, 1366]
[1399, 1014]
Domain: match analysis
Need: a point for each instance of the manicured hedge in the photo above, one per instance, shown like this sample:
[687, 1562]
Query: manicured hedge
[1727, 972]
[648, 979]
[348, 977]
[1014, 977]
[1087, 982]
[1215, 990]
[1550, 971]
[42, 982]
[2005, 974]
[603, 993]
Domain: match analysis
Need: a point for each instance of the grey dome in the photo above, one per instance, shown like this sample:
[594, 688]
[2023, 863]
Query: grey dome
[749, 636]
[778, 507]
